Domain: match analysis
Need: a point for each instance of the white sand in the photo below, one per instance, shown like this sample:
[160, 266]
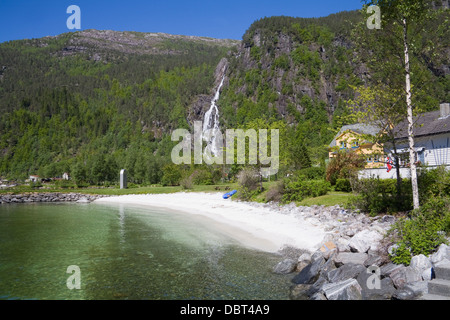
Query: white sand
[253, 225]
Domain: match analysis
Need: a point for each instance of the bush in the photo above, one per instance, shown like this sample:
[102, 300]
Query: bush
[380, 195]
[187, 182]
[377, 196]
[423, 232]
[344, 166]
[171, 175]
[36, 184]
[401, 255]
[425, 229]
[343, 185]
[301, 189]
[312, 173]
[434, 182]
[202, 177]
[275, 192]
[249, 183]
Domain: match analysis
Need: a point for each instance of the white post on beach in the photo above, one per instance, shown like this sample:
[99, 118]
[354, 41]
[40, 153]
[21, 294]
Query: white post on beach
[123, 179]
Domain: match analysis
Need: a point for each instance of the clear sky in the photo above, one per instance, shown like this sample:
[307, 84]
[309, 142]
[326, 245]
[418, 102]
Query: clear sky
[26, 19]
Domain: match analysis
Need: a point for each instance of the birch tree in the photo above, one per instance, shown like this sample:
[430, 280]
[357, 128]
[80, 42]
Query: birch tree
[404, 18]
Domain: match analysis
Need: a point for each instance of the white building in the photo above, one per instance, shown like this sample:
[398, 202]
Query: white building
[34, 178]
[431, 143]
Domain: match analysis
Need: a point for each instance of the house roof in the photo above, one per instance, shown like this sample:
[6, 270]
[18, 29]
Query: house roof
[360, 128]
[425, 124]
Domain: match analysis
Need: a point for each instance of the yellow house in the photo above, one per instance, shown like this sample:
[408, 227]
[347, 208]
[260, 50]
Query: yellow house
[356, 138]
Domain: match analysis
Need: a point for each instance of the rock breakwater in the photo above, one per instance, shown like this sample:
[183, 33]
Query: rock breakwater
[48, 197]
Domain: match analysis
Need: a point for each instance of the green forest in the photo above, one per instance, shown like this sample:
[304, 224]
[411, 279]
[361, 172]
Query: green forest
[71, 113]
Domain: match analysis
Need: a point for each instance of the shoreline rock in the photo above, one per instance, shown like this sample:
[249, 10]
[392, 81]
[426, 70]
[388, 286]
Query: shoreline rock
[35, 197]
[352, 262]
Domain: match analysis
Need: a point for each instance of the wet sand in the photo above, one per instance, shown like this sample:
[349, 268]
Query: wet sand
[253, 225]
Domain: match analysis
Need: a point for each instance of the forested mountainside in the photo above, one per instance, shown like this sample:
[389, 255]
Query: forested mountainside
[92, 102]
[99, 100]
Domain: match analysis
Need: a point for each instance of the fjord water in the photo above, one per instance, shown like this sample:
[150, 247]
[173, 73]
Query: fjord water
[126, 252]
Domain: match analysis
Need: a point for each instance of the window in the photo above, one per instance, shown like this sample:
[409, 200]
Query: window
[355, 144]
[420, 156]
[376, 158]
[369, 159]
[343, 145]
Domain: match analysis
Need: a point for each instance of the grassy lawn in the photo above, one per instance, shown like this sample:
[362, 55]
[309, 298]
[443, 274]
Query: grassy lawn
[330, 199]
[117, 191]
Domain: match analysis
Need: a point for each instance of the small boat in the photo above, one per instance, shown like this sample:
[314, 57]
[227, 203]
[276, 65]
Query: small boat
[229, 194]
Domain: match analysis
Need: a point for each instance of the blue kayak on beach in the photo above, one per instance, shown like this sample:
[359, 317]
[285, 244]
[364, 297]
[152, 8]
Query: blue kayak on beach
[229, 194]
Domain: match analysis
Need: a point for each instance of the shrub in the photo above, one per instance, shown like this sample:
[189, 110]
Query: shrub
[312, 173]
[401, 255]
[275, 192]
[36, 184]
[249, 183]
[343, 166]
[380, 195]
[389, 185]
[132, 185]
[171, 175]
[377, 196]
[301, 189]
[434, 182]
[186, 182]
[202, 177]
[343, 185]
[423, 232]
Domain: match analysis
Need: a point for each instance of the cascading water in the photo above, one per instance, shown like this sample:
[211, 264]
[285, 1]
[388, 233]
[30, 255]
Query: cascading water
[211, 124]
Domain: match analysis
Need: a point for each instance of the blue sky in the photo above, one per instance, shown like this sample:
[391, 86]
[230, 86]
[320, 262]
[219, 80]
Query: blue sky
[26, 19]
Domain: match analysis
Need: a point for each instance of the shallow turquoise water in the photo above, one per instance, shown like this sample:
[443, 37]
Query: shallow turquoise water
[126, 252]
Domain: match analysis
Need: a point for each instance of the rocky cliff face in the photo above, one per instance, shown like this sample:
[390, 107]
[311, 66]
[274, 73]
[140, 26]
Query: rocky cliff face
[290, 80]
[202, 103]
[292, 69]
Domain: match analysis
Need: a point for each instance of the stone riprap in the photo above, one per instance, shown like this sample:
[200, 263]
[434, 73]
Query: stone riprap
[352, 264]
[48, 197]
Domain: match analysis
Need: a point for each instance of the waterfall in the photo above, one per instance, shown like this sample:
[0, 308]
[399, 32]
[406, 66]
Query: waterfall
[211, 124]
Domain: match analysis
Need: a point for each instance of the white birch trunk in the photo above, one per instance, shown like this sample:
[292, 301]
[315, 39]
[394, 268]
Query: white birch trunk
[412, 156]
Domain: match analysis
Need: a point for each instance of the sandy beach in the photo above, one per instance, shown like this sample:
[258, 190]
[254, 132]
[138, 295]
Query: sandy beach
[254, 225]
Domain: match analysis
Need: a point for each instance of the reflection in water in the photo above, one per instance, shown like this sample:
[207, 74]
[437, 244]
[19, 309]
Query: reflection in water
[122, 222]
[126, 252]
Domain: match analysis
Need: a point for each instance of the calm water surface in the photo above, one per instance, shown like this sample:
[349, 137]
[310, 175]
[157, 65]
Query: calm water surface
[126, 252]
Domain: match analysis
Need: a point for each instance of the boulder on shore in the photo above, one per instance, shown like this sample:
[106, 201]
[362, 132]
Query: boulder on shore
[344, 290]
[404, 275]
[349, 257]
[420, 263]
[310, 273]
[365, 240]
[347, 271]
[285, 267]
